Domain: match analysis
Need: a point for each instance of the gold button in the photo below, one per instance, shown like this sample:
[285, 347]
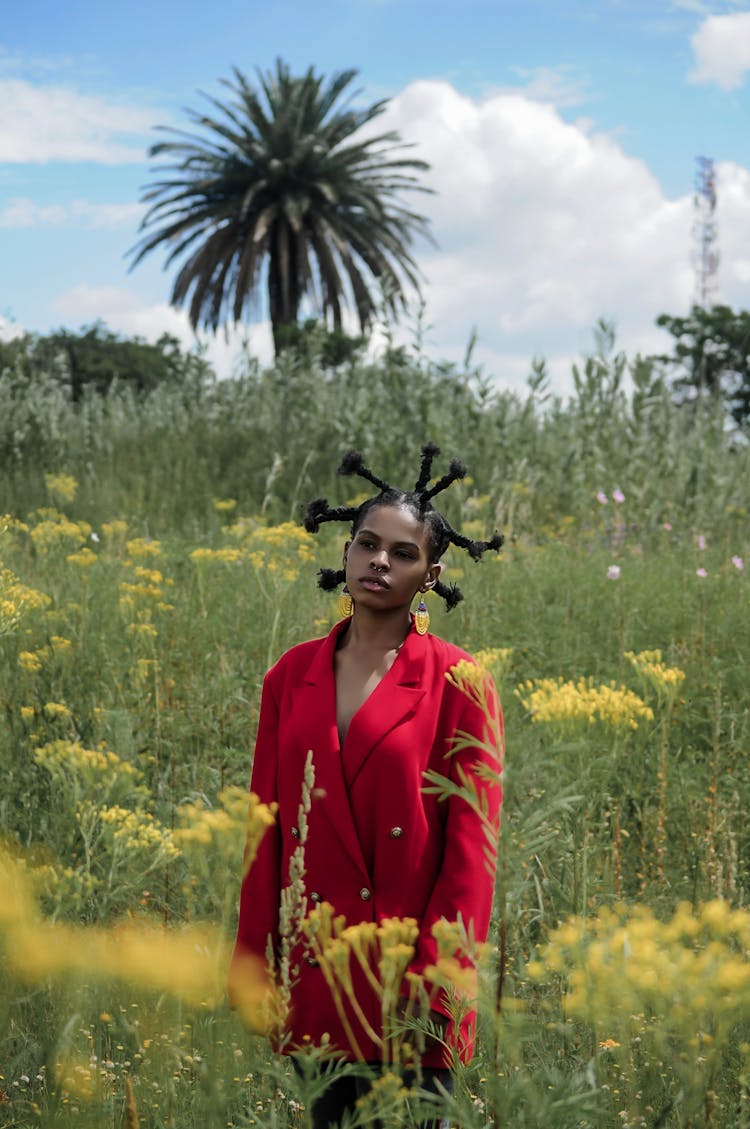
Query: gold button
[295, 832]
[315, 897]
[396, 832]
[365, 894]
[312, 962]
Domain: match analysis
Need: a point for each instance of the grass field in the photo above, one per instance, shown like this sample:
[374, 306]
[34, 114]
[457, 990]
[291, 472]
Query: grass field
[133, 644]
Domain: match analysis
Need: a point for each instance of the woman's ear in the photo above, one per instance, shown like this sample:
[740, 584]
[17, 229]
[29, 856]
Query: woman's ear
[346, 550]
[433, 575]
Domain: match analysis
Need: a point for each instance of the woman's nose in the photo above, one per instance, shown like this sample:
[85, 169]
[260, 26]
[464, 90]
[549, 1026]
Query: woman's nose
[379, 560]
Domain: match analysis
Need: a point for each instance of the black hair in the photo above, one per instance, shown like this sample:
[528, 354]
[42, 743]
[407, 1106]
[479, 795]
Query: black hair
[419, 501]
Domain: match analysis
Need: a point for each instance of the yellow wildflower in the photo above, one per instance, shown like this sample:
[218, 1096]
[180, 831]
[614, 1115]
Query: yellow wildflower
[665, 680]
[62, 487]
[84, 557]
[224, 505]
[114, 529]
[57, 711]
[141, 547]
[29, 662]
[553, 701]
[228, 555]
[143, 630]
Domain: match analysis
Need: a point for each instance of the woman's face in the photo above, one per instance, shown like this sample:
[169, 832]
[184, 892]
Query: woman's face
[388, 561]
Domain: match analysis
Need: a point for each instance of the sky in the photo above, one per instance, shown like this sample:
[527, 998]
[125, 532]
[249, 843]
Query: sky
[562, 137]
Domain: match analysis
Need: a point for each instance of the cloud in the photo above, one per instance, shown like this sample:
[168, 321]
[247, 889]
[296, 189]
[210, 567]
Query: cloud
[721, 46]
[124, 311]
[23, 212]
[563, 86]
[544, 226]
[9, 330]
[47, 123]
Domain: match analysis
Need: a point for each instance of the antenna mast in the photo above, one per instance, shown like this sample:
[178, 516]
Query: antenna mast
[705, 233]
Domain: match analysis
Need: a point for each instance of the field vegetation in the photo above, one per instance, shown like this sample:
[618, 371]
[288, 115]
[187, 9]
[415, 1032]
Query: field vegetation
[152, 566]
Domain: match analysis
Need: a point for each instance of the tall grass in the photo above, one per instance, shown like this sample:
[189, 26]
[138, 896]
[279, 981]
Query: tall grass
[138, 613]
[269, 438]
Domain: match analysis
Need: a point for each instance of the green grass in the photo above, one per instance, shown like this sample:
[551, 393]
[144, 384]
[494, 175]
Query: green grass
[165, 674]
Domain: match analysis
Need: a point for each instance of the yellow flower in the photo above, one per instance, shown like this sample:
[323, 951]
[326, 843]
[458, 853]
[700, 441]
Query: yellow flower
[143, 630]
[55, 528]
[228, 555]
[56, 711]
[114, 529]
[553, 701]
[141, 547]
[224, 505]
[29, 661]
[665, 680]
[62, 487]
[84, 557]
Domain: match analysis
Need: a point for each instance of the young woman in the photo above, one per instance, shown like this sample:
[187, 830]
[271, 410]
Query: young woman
[370, 705]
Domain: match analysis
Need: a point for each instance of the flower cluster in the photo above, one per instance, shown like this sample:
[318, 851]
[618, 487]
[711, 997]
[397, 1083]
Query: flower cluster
[137, 830]
[239, 820]
[691, 971]
[15, 600]
[61, 487]
[185, 963]
[496, 660]
[665, 680]
[53, 530]
[554, 701]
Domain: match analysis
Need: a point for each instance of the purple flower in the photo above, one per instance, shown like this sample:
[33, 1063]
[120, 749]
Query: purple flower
[667, 525]
[613, 572]
[700, 542]
[618, 496]
[738, 563]
[602, 498]
[701, 572]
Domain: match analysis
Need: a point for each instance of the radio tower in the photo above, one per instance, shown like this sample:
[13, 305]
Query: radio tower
[705, 233]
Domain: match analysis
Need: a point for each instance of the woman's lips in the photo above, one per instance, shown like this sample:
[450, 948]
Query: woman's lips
[373, 583]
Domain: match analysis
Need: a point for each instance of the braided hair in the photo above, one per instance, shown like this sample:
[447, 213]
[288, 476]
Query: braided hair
[419, 500]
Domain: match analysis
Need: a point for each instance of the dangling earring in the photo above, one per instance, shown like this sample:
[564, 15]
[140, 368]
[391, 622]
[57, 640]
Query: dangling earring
[346, 603]
[422, 618]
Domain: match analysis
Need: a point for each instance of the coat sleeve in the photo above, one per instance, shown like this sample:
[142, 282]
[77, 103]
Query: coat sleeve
[258, 925]
[465, 885]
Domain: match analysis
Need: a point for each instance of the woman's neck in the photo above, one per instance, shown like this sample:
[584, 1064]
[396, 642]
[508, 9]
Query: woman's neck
[379, 633]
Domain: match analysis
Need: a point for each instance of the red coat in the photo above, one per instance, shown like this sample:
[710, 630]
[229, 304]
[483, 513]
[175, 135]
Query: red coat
[379, 846]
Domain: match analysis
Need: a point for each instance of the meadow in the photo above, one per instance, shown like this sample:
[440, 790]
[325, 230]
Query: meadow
[152, 566]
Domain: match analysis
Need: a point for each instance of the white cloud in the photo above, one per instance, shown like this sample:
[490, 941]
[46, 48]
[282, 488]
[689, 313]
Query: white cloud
[124, 311]
[544, 227]
[23, 212]
[562, 86]
[9, 330]
[721, 46]
[46, 123]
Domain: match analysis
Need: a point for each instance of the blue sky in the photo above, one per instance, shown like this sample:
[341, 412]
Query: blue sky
[562, 138]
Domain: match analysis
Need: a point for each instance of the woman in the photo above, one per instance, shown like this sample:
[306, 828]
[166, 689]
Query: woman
[369, 708]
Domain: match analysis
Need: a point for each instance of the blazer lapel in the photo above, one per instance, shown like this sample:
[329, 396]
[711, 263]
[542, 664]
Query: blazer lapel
[392, 702]
[314, 720]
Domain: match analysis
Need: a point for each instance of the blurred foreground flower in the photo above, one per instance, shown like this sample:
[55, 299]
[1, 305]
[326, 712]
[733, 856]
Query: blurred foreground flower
[188, 963]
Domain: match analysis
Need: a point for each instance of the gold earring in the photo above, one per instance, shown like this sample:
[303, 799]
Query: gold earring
[422, 618]
[346, 603]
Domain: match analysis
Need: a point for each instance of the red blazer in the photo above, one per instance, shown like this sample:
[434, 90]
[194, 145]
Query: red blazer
[378, 846]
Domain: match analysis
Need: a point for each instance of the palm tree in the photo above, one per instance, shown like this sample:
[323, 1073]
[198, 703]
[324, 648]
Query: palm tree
[285, 188]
